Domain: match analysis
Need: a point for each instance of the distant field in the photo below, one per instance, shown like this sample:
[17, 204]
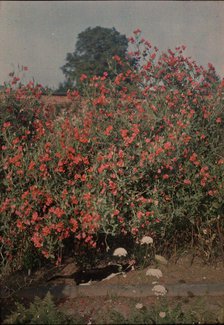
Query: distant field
[56, 99]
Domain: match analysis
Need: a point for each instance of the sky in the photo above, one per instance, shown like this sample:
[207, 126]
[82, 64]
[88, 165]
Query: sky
[39, 34]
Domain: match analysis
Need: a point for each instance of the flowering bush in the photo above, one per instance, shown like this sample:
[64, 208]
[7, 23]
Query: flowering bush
[143, 155]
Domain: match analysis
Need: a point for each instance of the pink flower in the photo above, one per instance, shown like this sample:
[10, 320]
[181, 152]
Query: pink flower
[187, 182]
[6, 125]
[167, 145]
[83, 77]
[137, 31]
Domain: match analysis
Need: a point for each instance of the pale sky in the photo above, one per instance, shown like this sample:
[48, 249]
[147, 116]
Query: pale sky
[39, 34]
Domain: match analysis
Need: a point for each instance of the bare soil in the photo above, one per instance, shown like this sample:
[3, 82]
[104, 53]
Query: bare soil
[181, 270]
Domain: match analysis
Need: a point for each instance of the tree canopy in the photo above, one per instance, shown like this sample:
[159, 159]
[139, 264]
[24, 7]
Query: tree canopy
[94, 49]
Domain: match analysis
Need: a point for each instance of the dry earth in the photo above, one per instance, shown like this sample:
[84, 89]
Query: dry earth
[97, 309]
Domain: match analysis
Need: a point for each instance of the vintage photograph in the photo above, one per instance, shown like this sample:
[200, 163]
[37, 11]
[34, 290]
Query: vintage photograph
[112, 162]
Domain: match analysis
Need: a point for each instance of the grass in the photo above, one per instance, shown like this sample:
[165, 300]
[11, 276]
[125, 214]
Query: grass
[164, 312]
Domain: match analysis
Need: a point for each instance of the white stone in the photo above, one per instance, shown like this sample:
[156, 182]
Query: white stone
[120, 252]
[146, 240]
[162, 314]
[139, 306]
[154, 272]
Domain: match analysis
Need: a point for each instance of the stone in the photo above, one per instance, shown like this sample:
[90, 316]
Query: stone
[161, 260]
[154, 272]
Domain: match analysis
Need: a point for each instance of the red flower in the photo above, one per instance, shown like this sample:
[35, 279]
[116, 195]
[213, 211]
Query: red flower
[108, 130]
[153, 55]
[74, 200]
[193, 157]
[117, 58]
[37, 240]
[83, 77]
[77, 159]
[43, 168]
[74, 224]
[83, 178]
[59, 226]
[31, 165]
[137, 31]
[167, 145]
[15, 141]
[121, 154]
[113, 187]
[100, 100]
[187, 182]
[102, 167]
[116, 212]
[20, 225]
[34, 217]
[49, 200]
[159, 151]
[45, 253]
[124, 133]
[57, 211]
[87, 196]
[120, 163]
[46, 231]
[140, 214]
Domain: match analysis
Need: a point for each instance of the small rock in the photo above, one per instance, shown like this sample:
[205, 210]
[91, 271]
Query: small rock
[139, 306]
[154, 272]
[146, 240]
[160, 259]
[120, 252]
[162, 314]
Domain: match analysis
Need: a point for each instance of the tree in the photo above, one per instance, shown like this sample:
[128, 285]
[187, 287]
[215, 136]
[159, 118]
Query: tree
[64, 86]
[94, 50]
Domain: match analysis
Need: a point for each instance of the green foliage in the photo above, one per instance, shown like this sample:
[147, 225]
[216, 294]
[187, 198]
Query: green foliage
[41, 311]
[93, 53]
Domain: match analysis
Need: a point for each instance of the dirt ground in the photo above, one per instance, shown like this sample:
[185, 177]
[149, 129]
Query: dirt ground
[98, 309]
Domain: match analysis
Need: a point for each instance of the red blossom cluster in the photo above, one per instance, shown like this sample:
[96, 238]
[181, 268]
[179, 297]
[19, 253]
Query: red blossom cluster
[144, 154]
